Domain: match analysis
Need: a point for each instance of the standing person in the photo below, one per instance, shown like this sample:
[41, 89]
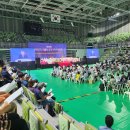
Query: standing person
[109, 122]
[78, 77]
[23, 55]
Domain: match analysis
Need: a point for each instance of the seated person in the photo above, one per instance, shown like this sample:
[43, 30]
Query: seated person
[54, 71]
[6, 107]
[12, 121]
[117, 78]
[6, 76]
[112, 82]
[123, 78]
[109, 122]
[3, 96]
[2, 82]
[14, 75]
[41, 97]
[64, 75]
[9, 87]
[23, 79]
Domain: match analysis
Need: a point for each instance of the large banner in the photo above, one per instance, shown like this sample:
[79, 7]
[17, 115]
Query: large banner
[48, 50]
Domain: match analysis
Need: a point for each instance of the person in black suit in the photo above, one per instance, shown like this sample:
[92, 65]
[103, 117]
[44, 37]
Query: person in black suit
[23, 55]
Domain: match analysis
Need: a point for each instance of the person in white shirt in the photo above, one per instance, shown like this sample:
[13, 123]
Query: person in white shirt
[118, 78]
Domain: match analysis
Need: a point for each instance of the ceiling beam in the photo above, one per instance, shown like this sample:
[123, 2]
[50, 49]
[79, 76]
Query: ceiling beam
[24, 4]
[39, 15]
[59, 13]
[105, 5]
[69, 4]
[56, 11]
[81, 6]
[43, 2]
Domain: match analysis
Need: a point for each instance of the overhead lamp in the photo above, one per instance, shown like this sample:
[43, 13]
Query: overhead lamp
[72, 24]
[42, 20]
[117, 14]
[100, 12]
[93, 26]
[111, 19]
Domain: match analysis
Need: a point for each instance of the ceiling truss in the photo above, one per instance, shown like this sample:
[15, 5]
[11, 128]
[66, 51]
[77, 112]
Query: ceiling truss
[77, 11]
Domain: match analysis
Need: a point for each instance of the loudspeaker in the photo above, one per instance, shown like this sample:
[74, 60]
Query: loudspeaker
[31, 28]
[37, 62]
[90, 34]
[84, 60]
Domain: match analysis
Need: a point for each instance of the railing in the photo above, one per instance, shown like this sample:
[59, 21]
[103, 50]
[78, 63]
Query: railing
[12, 45]
[24, 45]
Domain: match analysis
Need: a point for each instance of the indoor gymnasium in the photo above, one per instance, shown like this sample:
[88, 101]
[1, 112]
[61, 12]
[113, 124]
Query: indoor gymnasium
[64, 65]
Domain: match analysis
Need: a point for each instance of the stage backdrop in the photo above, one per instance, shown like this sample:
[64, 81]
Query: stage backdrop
[48, 50]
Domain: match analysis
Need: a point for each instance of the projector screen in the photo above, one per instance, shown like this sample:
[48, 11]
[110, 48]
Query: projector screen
[48, 50]
[92, 53]
[22, 54]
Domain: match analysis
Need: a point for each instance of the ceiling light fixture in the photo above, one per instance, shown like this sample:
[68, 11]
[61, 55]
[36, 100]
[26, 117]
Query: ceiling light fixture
[93, 26]
[42, 20]
[72, 24]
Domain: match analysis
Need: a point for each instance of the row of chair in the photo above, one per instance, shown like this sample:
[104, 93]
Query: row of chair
[67, 123]
[30, 108]
[34, 118]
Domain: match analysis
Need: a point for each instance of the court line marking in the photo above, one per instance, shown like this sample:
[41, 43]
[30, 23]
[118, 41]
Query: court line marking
[76, 97]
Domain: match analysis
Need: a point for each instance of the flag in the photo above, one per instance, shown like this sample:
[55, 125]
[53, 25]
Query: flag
[55, 18]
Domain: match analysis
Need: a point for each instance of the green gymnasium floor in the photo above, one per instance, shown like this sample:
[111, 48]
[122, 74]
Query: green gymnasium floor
[91, 108]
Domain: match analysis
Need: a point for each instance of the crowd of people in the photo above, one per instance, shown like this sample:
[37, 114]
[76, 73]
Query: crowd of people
[110, 73]
[12, 79]
[9, 119]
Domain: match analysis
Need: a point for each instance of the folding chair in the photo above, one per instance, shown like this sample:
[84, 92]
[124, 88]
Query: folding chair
[116, 88]
[89, 127]
[63, 122]
[25, 110]
[58, 108]
[25, 90]
[34, 100]
[33, 121]
[74, 126]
